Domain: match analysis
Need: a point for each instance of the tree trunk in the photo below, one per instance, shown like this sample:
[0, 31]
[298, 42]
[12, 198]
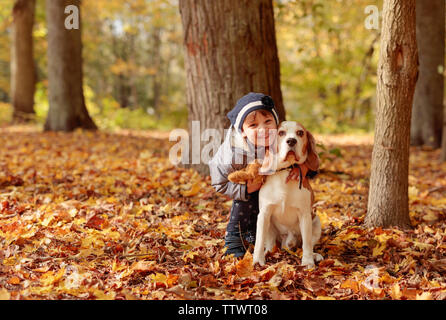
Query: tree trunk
[230, 50]
[443, 144]
[23, 71]
[388, 203]
[66, 98]
[157, 63]
[427, 113]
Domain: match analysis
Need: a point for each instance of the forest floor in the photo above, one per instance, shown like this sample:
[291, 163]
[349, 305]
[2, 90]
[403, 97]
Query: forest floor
[102, 215]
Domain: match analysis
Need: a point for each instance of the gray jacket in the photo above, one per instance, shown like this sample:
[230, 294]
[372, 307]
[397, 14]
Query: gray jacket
[234, 154]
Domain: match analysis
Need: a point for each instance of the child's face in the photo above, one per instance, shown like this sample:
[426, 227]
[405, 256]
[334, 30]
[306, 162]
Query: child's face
[260, 128]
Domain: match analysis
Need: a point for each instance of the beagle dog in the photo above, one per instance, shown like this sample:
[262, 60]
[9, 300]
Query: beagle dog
[285, 208]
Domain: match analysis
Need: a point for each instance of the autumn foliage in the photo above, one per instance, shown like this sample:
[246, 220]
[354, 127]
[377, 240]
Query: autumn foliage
[100, 215]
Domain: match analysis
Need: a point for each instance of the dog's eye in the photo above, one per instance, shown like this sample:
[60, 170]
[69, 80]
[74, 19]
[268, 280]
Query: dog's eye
[300, 133]
[281, 133]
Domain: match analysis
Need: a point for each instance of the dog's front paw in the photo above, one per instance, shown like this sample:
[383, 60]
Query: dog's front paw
[259, 260]
[308, 262]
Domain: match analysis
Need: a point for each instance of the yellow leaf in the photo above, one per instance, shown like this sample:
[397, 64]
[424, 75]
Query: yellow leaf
[386, 278]
[159, 278]
[378, 250]
[50, 278]
[101, 295]
[193, 191]
[395, 291]
[430, 216]
[413, 192]
[190, 256]
[350, 235]
[424, 296]
[4, 294]
[383, 237]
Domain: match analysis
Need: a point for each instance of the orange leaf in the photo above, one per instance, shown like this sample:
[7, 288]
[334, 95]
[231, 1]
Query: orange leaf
[244, 267]
[350, 284]
[193, 191]
[96, 222]
[143, 266]
[14, 280]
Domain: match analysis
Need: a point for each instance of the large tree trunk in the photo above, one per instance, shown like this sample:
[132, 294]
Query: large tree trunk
[427, 113]
[23, 71]
[230, 49]
[388, 203]
[66, 98]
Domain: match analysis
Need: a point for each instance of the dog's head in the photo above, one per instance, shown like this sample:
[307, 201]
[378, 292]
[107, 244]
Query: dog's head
[295, 145]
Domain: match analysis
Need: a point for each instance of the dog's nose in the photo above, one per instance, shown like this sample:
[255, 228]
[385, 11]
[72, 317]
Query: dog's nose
[291, 142]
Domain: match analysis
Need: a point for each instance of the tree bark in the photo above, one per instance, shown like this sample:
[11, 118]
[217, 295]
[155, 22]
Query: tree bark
[443, 143]
[230, 50]
[23, 70]
[427, 113]
[66, 98]
[388, 203]
[157, 63]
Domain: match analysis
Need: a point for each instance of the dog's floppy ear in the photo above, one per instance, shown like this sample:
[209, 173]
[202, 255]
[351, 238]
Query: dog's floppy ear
[312, 161]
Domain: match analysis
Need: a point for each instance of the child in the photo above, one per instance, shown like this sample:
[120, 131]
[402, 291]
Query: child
[254, 122]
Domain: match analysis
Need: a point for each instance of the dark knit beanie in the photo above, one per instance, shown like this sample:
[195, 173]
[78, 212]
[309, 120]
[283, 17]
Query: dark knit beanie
[248, 103]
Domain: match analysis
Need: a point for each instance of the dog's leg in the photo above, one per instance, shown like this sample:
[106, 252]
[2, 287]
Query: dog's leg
[263, 228]
[316, 235]
[270, 238]
[306, 229]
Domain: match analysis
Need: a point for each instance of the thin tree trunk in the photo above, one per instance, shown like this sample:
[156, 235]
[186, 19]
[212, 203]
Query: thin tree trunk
[427, 114]
[23, 70]
[358, 103]
[230, 50]
[157, 63]
[388, 203]
[66, 98]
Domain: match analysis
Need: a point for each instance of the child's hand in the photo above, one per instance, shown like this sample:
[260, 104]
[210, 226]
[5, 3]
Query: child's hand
[253, 186]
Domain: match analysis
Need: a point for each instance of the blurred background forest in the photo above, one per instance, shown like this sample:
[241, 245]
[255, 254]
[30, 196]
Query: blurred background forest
[134, 69]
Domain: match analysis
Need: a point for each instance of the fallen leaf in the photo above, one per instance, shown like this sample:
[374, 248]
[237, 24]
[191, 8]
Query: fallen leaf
[194, 190]
[4, 294]
[244, 267]
[424, 296]
[14, 280]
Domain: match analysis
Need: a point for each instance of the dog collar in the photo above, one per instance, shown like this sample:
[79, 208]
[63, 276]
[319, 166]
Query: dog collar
[295, 165]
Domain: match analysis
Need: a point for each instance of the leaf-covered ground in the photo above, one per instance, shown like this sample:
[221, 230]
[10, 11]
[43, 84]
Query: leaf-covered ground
[106, 216]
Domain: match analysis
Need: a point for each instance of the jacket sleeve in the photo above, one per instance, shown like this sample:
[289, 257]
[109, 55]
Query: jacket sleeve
[219, 180]
[220, 166]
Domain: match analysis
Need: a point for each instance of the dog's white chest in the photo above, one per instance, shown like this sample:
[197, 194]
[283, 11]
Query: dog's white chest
[276, 191]
[288, 200]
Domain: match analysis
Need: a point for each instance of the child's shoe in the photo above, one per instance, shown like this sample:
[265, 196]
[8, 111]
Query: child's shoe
[234, 244]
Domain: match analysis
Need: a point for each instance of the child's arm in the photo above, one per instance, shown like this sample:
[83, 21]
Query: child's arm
[219, 180]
